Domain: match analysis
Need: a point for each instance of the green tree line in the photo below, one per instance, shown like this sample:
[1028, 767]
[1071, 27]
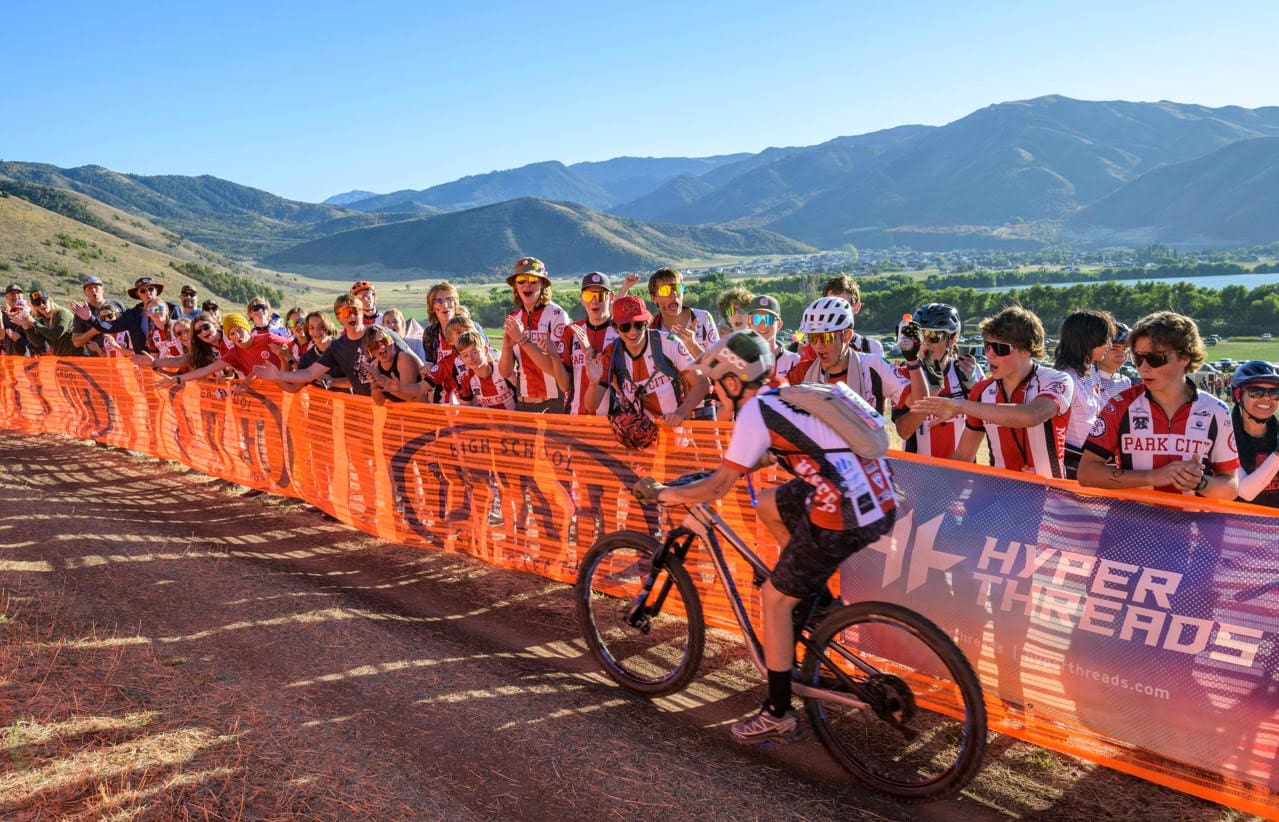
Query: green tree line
[233, 287]
[1231, 310]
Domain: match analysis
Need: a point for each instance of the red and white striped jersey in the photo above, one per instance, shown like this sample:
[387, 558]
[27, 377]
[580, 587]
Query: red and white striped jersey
[872, 377]
[783, 362]
[704, 329]
[162, 342]
[934, 437]
[848, 490]
[1039, 450]
[575, 359]
[642, 380]
[1135, 431]
[492, 391]
[545, 327]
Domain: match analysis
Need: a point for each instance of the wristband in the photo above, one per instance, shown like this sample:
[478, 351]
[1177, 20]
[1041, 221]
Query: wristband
[914, 366]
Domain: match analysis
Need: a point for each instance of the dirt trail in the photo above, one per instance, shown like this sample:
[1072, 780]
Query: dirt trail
[172, 649]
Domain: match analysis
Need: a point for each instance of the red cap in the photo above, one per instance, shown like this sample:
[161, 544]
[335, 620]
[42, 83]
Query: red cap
[629, 309]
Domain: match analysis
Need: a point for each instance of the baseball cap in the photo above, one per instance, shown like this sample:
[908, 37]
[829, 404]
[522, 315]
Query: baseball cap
[38, 295]
[528, 265]
[12, 288]
[145, 281]
[209, 305]
[91, 280]
[629, 309]
[186, 289]
[765, 303]
[597, 280]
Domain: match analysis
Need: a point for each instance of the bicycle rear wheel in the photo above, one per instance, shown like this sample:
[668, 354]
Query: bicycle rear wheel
[921, 734]
[651, 647]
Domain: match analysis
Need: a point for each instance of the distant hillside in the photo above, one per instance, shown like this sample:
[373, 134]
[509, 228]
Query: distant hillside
[348, 197]
[58, 247]
[672, 196]
[225, 216]
[1027, 160]
[549, 180]
[629, 178]
[1230, 197]
[483, 241]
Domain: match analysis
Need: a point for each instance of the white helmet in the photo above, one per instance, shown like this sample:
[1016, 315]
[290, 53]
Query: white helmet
[827, 314]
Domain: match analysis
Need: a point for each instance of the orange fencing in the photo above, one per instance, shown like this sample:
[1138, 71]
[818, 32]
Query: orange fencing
[1134, 635]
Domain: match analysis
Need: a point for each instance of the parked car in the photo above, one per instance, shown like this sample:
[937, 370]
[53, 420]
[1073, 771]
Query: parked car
[1211, 339]
[1267, 336]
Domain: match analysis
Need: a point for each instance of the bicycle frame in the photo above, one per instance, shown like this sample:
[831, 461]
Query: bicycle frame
[702, 521]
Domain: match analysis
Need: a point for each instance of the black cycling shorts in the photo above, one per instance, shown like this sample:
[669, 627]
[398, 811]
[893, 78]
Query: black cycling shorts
[814, 553]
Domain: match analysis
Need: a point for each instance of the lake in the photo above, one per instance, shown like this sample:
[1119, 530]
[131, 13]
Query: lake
[1246, 280]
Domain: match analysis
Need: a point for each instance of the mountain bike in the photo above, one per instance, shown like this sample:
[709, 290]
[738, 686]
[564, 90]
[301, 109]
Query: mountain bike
[889, 694]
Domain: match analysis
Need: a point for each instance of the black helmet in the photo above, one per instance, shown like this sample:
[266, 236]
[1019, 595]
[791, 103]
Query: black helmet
[743, 353]
[1253, 373]
[1121, 332]
[939, 317]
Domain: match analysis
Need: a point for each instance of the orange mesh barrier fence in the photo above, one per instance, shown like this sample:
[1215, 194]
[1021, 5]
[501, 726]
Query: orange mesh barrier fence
[1136, 635]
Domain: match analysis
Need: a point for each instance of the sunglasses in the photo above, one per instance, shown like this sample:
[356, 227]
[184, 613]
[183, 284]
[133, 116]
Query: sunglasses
[258, 307]
[999, 349]
[669, 289]
[824, 337]
[1152, 358]
[108, 316]
[594, 296]
[378, 346]
[345, 313]
[1256, 392]
[156, 310]
[451, 300]
[202, 328]
[209, 307]
[525, 279]
[733, 309]
[293, 324]
[763, 318]
[933, 336]
[638, 324]
[145, 289]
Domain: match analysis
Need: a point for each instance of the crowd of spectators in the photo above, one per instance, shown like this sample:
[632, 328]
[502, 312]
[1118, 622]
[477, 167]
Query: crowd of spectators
[1077, 418]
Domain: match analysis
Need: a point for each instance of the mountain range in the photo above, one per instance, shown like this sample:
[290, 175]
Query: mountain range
[1015, 174]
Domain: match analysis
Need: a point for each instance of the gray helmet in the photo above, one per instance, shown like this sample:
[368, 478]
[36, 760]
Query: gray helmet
[827, 314]
[744, 354]
[938, 317]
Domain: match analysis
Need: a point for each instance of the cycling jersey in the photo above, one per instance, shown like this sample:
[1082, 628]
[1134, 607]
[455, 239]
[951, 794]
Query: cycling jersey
[1084, 407]
[1036, 450]
[258, 352]
[163, 342]
[848, 491]
[1111, 384]
[705, 332]
[492, 391]
[640, 377]
[1134, 430]
[545, 327]
[574, 357]
[783, 362]
[934, 437]
[874, 378]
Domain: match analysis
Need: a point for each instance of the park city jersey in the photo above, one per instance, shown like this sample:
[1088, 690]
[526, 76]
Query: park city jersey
[641, 379]
[1039, 449]
[575, 359]
[545, 328]
[1136, 432]
[934, 437]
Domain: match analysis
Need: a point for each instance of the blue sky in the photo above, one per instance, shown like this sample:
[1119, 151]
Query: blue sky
[307, 100]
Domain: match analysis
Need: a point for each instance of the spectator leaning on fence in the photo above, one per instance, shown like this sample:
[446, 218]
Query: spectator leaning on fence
[14, 341]
[1021, 409]
[481, 384]
[531, 340]
[48, 326]
[1255, 386]
[693, 326]
[645, 369]
[82, 331]
[394, 369]
[1164, 433]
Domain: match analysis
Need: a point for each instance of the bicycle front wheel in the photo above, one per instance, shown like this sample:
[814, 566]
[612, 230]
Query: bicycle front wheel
[920, 732]
[650, 643]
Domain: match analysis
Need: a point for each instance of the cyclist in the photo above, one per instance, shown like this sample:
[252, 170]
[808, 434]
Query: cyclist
[828, 326]
[837, 504]
[1255, 386]
[935, 367]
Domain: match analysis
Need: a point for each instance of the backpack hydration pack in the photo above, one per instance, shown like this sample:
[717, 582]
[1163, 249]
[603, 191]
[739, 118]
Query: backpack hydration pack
[851, 417]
